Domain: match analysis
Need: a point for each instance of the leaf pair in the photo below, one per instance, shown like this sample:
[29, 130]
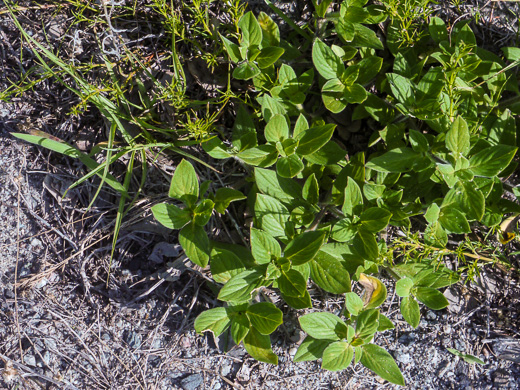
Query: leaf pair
[332, 340]
[259, 46]
[196, 213]
[250, 324]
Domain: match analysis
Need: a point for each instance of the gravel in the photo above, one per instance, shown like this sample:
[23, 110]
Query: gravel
[64, 329]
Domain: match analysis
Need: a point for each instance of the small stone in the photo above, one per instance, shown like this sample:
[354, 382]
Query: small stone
[225, 369]
[431, 315]
[293, 351]
[36, 242]
[404, 358]
[296, 337]
[133, 339]
[51, 344]
[191, 382]
[41, 283]
[30, 360]
[46, 357]
[185, 342]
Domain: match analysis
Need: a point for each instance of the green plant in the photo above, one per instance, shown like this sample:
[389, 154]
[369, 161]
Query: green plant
[442, 141]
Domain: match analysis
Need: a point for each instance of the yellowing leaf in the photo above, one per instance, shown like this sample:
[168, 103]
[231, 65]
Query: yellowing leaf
[505, 234]
[375, 291]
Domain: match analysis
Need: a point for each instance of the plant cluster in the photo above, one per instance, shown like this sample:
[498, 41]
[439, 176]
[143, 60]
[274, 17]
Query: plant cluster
[444, 140]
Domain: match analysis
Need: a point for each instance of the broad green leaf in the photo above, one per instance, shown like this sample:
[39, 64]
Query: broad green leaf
[292, 283]
[246, 70]
[232, 49]
[321, 7]
[435, 277]
[469, 198]
[355, 94]
[344, 230]
[438, 30]
[170, 215]
[243, 253]
[365, 37]
[432, 214]
[463, 33]
[224, 265]
[466, 357]
[300, 126]
[328, 273]
[268, 56]
[453, 220]
[491, 161]
[382, 363]
[375, 219]
[244, 131]
[430, 86]
[251, 31]
[402, 88]
[403, 287]
[337, 356]
[202, 213]
[310, 191]
[332, 93]
[195, 243]
[240, 287]
[271, 105]
[289, 166]
[264, 247]
[270, 30]
[270, 183]
[396, 160]
[240, 326]
[350, 75]
[216, 148]
[346, 30]
[353, 202]
[375, 291]
[457, 138]
[323, 326]
[328, 154]
[184, 185]
[214, 320]
[277, 129]
[367, 323]
[365, 245]
[224, 196]
[311, 140]
[271, 214]
[384, 323]
[259, 347]
[431, 297]
[328, 64]
[310, 349]
[303, 247]
[59, 146]
[298, 303]
[265, 317]
[418, 141]
[353, 303]
[410, 311]
[369, 68]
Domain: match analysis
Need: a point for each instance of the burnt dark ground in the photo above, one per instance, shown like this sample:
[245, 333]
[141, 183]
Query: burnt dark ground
[62, 328]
